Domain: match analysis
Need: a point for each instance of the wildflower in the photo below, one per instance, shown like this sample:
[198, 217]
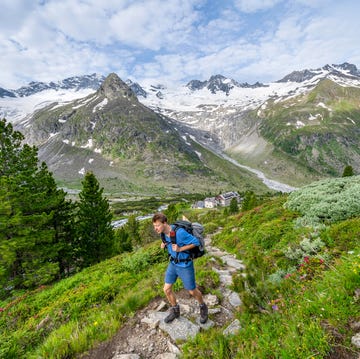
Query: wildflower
[2, 309]
[306, 259]
[288, 275]
[275, 307]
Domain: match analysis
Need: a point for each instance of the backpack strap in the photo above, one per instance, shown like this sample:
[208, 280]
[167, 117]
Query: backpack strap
[162, 236]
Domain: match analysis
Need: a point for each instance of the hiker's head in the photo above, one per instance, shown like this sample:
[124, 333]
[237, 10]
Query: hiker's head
[159, 217]
[159, 221]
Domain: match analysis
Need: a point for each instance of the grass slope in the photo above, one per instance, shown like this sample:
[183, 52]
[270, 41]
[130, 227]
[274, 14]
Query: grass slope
[299, 293]
[319, 130]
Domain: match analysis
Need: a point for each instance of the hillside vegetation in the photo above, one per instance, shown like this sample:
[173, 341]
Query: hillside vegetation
[300, 295]
[318, 130]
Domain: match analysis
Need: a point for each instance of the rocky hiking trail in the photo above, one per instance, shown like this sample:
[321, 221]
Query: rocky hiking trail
[147, 336]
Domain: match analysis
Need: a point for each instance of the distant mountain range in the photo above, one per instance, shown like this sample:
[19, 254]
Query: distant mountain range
[302, 127]
[130, 148]
[76, 83]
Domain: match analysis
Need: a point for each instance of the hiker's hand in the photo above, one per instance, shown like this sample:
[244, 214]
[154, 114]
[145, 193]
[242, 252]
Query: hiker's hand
[163, 245]
[175, 248]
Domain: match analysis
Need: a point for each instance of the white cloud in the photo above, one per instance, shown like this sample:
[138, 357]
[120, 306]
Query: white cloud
[255, 5]
[174, 40]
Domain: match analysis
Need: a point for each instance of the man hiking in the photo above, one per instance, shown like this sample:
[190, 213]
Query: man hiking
[180, 265]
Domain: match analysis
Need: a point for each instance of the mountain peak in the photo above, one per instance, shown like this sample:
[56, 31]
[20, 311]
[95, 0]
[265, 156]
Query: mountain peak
[342, 71]
[219, 83]
[113, 87]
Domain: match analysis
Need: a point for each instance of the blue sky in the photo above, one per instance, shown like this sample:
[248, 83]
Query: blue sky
[174, 41]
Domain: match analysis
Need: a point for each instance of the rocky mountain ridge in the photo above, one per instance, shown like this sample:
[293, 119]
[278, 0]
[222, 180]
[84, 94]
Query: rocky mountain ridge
[127, 145]
[76, 83]
[226, 116]
[345, 71]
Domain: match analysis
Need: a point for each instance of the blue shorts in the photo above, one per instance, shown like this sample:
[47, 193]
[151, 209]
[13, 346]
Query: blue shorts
[186, 274]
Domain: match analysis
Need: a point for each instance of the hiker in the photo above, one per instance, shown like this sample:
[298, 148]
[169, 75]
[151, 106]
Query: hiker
[180, 265]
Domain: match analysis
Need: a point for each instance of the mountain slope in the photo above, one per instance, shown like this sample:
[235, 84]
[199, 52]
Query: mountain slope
[128, 146]
[260, 126]
[320, 129]
[280, 128]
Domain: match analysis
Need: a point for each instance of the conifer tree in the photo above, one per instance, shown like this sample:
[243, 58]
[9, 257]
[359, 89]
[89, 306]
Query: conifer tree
[132, 227]
[234, 208]
[249, 201]
[95, 236]
[348, 171]
[171, 213]
[122, 241]
[29, 203]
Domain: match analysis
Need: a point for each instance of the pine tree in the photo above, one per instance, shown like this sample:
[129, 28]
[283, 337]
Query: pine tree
[95, 236]
[171, 213]
[29, 203]
[348, 171]
[234, 208]
[10, 146]
[122, 241]
[132, 227]
[249, 201]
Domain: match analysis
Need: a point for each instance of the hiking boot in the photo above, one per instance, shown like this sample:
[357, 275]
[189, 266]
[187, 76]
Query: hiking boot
[203, 313]
[174, 312]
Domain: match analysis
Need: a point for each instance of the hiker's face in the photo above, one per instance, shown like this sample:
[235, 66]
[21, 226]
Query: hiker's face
[159, 227]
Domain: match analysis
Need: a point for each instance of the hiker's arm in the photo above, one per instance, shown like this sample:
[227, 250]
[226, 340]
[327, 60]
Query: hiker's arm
[176, 248]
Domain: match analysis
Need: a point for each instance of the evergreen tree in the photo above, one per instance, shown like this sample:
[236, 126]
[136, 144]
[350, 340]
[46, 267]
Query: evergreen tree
[132, 227]
[234, 208]
[171, 213]
[348, 171]
[249, 201]
[95, 236]
[29, 203]
[10, 146]
[122, 241]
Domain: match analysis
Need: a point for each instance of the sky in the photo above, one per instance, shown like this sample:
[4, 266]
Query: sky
[174, 41]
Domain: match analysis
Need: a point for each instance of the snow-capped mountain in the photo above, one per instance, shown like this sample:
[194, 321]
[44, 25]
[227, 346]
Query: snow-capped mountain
[346, 72]
[253, 123]
[217, 97]
[75, 83]
[219, 83]
[219, 103]
[19, 103]
[112, 134]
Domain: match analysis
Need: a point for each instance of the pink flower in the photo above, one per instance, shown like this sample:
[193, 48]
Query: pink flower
[306, 259]
[2, 309]
[287, 275]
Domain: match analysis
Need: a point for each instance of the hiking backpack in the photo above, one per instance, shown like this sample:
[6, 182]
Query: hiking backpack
[195, 229]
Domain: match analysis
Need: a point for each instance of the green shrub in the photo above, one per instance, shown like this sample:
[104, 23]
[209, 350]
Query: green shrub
[327, 201]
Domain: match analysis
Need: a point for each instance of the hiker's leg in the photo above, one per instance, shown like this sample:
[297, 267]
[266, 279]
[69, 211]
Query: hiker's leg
[197, 295]
[174, 311]
[203, 307]
[170, 279]
[170, 294]
[187, 276]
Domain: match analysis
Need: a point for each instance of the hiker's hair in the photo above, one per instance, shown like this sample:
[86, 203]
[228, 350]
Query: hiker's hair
[159, 217]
